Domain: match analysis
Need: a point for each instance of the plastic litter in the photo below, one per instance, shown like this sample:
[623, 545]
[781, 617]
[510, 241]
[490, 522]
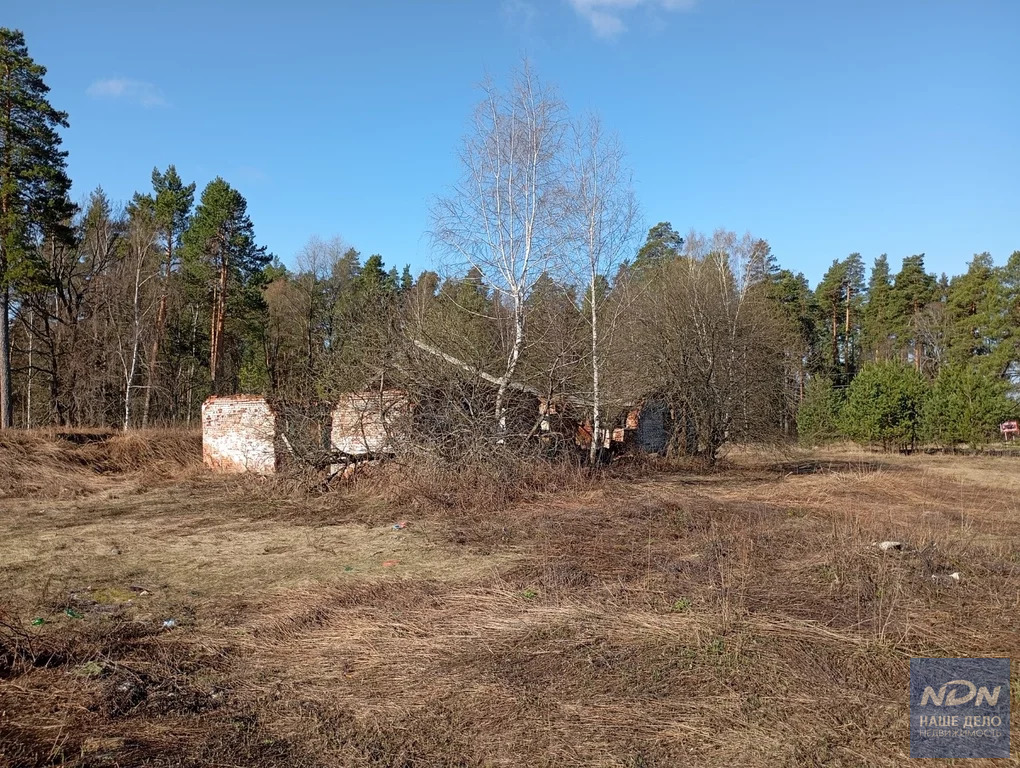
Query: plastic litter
[73, 613]
[400, 526]
[390, 563]
[37, 621]
[169, 624]
[890, 546]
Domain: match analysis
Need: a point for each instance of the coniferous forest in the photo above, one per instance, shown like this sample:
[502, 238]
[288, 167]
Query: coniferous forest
[129, 314]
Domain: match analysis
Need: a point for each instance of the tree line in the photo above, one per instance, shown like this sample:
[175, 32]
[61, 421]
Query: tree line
[132, 315]
[912, 357]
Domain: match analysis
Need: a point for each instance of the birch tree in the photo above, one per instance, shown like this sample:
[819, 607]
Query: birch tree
[500, 219]
[601, 215]
[139, 269]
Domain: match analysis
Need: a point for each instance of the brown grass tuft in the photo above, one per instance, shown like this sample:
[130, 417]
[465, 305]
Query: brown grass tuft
[55, 462]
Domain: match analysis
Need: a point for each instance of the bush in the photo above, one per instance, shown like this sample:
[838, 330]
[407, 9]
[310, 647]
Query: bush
[884, 404]
[817, 417]
[965, 406]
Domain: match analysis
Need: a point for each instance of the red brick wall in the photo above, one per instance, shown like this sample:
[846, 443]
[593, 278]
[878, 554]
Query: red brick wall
[364, 422]
[238, 434]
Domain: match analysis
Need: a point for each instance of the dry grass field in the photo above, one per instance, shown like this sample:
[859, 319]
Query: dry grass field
[154, 614]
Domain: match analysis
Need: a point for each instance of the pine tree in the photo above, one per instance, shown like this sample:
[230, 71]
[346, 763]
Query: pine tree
[793, 301]
[362, 326]
[373, 279]
[662, 244]
[818, 415]
[884, 405]
[222, 256]
[965, 405]
[877, 342]
[830, 298]
[33, 183]
[853, 288]
[913, 289]
[172, 200]
[977, 307]
[1009, 349]
[462, 322]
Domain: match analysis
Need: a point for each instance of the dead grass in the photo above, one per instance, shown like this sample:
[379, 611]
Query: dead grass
[739, 616]
[58, 463]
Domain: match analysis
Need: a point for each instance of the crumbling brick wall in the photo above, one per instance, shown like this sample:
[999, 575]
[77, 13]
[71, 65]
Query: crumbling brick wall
[366, 422]
[239, 434]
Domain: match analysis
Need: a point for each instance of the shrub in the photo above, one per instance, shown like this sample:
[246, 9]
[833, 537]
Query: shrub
[965, 406]
[884, 404]
[817, 417]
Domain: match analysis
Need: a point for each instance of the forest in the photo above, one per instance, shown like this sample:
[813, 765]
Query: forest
[130, 314]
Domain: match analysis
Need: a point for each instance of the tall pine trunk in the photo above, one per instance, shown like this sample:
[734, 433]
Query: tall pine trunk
[6, 392]
[219, 317]
[835, 340]
[917, 340]
[848, 344]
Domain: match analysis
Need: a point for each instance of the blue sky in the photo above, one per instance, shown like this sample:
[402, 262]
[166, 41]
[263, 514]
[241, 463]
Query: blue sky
[824, 127]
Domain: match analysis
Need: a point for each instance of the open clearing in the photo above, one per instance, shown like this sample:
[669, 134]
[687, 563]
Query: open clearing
[736, 617]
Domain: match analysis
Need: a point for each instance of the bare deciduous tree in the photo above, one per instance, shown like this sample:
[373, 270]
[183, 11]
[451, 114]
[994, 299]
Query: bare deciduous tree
[140, 266]
[705, 340]
[500, 219]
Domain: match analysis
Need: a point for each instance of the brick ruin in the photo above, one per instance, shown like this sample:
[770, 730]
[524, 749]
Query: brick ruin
[363, 422]
[247, 433]
[239, 434]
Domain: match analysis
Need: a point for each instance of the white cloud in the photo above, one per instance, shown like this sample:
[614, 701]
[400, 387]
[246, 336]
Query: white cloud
[606, 16]
[138, 91]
